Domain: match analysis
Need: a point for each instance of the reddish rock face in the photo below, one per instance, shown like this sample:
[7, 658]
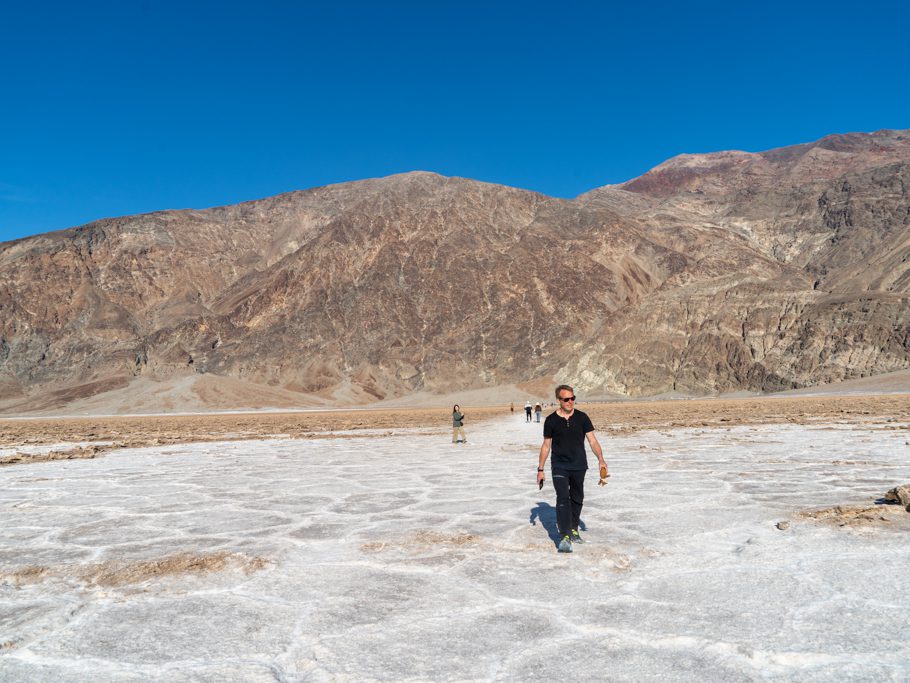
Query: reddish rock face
[709, 273]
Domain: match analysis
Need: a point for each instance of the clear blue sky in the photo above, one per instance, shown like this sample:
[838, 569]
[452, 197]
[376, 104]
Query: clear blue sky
[113, 108]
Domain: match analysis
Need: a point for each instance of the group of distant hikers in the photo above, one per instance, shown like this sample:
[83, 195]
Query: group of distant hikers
[537, 409]
[565, 431]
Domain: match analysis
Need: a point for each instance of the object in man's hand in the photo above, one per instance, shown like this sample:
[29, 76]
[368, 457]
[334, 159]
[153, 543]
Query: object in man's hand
[540, 485]
[603, 476]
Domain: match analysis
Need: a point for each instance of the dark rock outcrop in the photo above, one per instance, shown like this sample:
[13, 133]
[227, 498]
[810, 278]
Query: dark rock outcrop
[900, 494]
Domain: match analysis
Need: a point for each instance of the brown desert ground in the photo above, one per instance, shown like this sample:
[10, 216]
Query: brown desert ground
[25, 440]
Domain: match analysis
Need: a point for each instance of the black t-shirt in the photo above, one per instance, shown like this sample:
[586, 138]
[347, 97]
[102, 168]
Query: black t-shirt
[568, 447]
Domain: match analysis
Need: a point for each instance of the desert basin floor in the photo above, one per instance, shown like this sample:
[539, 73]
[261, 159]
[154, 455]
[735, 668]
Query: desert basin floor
[405, 557]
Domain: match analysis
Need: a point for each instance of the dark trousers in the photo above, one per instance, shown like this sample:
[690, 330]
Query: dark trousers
[570, 496]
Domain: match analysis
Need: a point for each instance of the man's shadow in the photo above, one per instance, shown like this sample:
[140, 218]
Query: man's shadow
[546, 514]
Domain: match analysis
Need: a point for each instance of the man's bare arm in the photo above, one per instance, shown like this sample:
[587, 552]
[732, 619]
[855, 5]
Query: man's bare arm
[598, 451]
[542, 460]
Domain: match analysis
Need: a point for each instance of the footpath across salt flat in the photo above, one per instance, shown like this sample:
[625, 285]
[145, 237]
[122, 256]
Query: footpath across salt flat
[405, 557]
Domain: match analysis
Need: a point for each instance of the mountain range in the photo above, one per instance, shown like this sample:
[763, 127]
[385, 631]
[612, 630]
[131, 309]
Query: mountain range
[730, 271]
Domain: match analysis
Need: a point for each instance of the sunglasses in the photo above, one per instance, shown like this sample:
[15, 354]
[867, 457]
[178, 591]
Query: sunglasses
[567, 399]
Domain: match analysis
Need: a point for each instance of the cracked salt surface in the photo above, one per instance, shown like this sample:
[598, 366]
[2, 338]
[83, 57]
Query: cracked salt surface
[407, 557]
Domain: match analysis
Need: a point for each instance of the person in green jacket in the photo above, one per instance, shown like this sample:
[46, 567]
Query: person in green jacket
[458, 425]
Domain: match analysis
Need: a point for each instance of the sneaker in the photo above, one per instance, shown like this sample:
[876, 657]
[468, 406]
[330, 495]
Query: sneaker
[576, 537]
[565, 545]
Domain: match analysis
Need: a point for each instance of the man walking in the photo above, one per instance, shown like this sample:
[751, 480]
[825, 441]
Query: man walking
[564, 432]
[528, 410]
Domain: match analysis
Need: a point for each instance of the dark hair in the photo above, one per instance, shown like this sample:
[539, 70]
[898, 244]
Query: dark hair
[564, 387]
[455, 407]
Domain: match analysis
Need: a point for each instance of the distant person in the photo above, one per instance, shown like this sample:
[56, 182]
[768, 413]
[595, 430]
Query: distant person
[564, 432]
[458, 425]
[538, 409]
[528, 410]
[512, 407]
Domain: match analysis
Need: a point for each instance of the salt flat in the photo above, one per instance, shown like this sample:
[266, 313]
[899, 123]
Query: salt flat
[405, 557]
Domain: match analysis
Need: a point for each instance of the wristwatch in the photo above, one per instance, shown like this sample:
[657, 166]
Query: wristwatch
[540, 469]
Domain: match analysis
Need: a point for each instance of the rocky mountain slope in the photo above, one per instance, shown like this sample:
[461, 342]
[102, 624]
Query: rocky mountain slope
[710, 273]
